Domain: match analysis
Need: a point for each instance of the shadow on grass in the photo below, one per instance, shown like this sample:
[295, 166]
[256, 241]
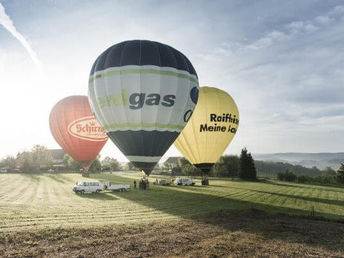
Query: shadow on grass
[33, 176]
[307, 186]
[304, 198]
[294, 225]
[59, 178]
[314, 232]
[287, 224]
[98, 196]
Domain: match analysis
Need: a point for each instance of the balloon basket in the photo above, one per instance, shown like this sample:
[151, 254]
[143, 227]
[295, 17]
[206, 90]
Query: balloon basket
[205, 181]
[144, 183]
[85, 174]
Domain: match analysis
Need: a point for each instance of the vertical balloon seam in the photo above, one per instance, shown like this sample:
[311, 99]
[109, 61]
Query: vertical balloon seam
[107, 90]
[57, 129]
[190, 149]
[52, 127]
[85, 103]
[121, 81]
[125, 112]
[197, 150]
[192, 154]
[157, 112]
[77, 140]
[167, 143]
[219, 100]
[187, 140]
[141, 115]
[202, 104]
[180, 119]
[87, 107]
[70, 147]
[141, 119]
[187, 147]
[85, 164]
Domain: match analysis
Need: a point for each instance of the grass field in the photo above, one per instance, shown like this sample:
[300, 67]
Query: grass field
[41, 202]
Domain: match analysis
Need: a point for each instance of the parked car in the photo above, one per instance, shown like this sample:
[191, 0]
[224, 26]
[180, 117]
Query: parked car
[184, 181]
[87, 187]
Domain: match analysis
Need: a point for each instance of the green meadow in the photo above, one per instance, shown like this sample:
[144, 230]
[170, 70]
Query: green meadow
[47, 201]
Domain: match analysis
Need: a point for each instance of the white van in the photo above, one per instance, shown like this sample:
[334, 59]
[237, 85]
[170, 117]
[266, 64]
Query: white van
[184, 181]
[87, 187]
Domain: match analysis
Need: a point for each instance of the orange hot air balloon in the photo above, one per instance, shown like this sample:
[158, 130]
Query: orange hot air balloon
[76, 130]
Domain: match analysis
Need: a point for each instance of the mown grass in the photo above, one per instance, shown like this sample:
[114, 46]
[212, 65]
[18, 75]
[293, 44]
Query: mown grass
[220, 234]
[47, 201]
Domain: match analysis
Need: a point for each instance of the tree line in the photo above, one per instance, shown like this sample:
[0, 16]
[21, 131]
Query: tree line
[39, 158]
[328, 176]
[242, 166]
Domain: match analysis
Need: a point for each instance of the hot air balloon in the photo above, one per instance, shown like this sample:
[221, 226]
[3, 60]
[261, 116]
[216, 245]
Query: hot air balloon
[143, 93]
[76, 130]
[210, 130]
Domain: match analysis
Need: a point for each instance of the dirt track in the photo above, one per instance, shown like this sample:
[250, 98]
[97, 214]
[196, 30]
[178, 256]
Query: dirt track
[253, 233]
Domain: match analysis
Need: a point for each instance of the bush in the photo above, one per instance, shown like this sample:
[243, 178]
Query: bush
[340, 174]
[287, 176]
[302, 179]
[227, 166]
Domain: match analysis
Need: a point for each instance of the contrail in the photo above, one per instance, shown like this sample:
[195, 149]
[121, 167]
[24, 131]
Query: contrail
[6, 21]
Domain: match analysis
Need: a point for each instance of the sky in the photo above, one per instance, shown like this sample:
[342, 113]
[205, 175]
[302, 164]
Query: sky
[281, 61]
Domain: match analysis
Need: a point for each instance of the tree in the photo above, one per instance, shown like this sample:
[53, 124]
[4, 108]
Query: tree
[41, 156]
[32, 161]
[9, 162]
[340, 174]
[110, 164]
[95, 166]
[252, 168]
[71, 163]
[247, 169]
[288, 176]
[186, 168]
[329, 172]
[227, 165]
[130, 166]
[191, 170]
[26, 163]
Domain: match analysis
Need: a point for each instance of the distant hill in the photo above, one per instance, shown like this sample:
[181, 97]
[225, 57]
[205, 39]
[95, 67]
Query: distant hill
[319, 160]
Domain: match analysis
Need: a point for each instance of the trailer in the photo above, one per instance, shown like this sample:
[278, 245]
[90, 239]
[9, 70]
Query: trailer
[115, 187]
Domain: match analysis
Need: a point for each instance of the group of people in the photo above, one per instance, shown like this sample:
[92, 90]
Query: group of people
[143, 183]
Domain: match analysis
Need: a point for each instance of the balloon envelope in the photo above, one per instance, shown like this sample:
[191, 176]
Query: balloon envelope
[76, 130]
[211, 128]
[143, 93]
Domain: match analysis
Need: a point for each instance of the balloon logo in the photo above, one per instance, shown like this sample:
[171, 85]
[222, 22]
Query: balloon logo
[139, 91]
[76, 130]
[211, 128]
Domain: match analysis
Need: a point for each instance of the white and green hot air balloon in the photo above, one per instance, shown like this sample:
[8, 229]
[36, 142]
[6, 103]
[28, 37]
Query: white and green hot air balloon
[143, 93]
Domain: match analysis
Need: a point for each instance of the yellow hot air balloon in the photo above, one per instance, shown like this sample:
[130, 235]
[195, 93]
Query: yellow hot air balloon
[210, 130]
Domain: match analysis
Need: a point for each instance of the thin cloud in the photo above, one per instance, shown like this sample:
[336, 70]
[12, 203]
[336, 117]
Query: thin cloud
[296, 28]
[6, 21]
